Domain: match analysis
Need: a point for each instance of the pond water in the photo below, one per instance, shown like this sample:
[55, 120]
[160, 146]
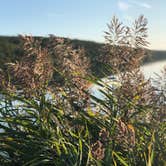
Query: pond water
[150, 71]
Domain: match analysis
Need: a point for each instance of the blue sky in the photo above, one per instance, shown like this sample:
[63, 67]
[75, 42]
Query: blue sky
[82, 19]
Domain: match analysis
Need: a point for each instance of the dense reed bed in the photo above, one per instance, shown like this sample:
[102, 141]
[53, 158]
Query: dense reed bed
[126, 127]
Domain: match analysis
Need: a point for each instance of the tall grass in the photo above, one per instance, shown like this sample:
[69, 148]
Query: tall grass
[126, 129]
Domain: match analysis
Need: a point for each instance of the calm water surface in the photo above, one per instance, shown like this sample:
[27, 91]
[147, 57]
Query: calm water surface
[150, 71]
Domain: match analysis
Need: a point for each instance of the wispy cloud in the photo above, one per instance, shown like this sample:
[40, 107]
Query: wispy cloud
[140, 4]
[146, 5]
[122, 5]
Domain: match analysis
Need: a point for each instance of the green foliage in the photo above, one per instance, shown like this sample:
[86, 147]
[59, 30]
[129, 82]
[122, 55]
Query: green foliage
[39, 132]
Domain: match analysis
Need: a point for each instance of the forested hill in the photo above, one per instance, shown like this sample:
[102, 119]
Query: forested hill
[10, 51]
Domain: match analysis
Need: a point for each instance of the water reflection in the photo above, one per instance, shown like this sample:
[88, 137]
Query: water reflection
[150, 70]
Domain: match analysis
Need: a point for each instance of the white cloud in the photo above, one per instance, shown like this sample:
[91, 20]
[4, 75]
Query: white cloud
[123, 5]
[140, 4]
[146, 5]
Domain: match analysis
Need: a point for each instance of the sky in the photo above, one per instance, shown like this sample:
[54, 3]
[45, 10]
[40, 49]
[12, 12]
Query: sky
[81, 19]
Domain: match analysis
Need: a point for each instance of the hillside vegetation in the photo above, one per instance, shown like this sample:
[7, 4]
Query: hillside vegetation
[11, 51]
